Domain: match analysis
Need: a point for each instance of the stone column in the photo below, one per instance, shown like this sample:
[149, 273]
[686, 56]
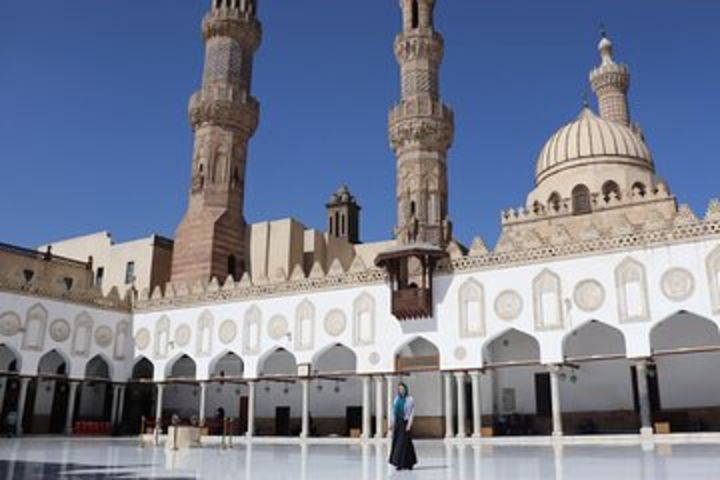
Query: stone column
[460, 381]
[379, 407]
[305, 422]
[159, 404]
[643, 397]
[203, 401]
[251, 410]
[448, 406]
[70, 414]
[121, 407]
[113, 410]
[22, 397]
[476, 404]
[389, 401]
[365, 407]
[555, 400]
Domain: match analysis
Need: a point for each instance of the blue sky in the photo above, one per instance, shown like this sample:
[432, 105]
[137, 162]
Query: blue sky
[93, 95]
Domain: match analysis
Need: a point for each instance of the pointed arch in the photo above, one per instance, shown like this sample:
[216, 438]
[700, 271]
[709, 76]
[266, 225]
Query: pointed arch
[417, 353]
[594, 338]
[82, 334]
[226, 364]
[54, 362]
[182, 366]
[277, 362]
[334, 358]
[511, 346]
[683, 330]
[10, 359]
[143, 369]
[99, 367]
[547, 301]
[471, 309]
[35, 328]
[304, 326]
[631, 286]
[364, 320]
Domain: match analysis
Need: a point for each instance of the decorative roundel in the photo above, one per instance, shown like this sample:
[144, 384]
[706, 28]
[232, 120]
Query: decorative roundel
[60, 330]
[182, 335]
[589, 295]
[277, 327]
[9, 324]
[677, 284]
[508, 305]
[374, 358]
[142, 339]
[103, 336]
[335, 323]
[460, 353]
[228, 331]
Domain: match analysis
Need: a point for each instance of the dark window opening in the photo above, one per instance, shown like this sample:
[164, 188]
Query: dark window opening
[581, 200]
[412, 208]
[99, 276]
[336, 231]
[639, 189]
[610, 190]
[129, 273]
[232, 266]
[28, 274]
[415, 14]
[68, 283]
[554, 202]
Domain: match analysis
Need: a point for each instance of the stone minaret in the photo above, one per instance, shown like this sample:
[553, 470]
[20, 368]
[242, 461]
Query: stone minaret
[421, 131]
[611, 83]
[210, 240]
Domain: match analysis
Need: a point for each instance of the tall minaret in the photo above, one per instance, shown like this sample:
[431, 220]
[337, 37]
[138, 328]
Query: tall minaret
[210, 240]
[421, 131]
[611, 82]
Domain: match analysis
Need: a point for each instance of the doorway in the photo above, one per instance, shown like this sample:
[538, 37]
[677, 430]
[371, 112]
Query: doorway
[282, 421]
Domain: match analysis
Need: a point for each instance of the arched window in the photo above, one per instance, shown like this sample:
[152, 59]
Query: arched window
[581, 200]
[554, 202]
[639, 189]
[415, 14]
[232, 266]
[412, 207]
[610, 190]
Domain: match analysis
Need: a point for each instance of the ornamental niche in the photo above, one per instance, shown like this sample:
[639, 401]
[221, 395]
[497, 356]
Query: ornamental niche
[305, 326]
[631, 285]
[35, 326]
[547, 302]
[471, 306]
[203, 347]
[251, 331]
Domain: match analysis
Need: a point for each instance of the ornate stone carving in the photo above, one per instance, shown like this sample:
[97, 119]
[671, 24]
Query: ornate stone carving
[182, 335]
[277, 327]
[712, 265]
[60, 330]
[508, 305]
[364, 320]
[471, 305]
[589, 295]
[103, 336]
[9, 324]
[35, 327]
[251, 331]
[335, 323]
[82, 335]
[374, 358]
[460, 353]
[631, 285]
[547, 301]
[228, 332]
[677, 284]
[142, 339]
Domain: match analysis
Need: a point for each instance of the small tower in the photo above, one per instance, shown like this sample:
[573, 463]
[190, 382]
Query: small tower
[343, 216]
[210, 240]
[611, 82]
[421, 130]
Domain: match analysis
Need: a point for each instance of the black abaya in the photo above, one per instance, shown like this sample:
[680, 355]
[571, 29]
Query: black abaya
[402, 453]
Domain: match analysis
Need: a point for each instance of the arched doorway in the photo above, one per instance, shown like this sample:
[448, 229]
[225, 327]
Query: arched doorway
[596, 382]
[278, 397]
[9, 383]
[336, 391]
[48, 395]
[518, 386]
[95, 402]
[139, 397]
[224, 397]
[686, 353]
[418, 364]
[181, 396]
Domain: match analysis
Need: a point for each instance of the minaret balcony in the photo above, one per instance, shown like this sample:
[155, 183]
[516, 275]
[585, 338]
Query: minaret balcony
[223, 105]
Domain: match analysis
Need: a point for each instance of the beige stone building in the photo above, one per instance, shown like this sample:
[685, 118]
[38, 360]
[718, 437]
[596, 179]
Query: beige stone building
[141, 264]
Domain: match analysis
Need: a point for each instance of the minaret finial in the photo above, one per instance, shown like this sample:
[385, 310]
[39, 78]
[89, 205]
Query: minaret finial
[603, 30]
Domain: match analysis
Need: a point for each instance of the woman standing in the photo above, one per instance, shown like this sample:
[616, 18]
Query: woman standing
[402, 453]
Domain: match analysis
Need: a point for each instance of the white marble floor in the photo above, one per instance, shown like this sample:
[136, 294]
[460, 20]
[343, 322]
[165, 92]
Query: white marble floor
[47, 458]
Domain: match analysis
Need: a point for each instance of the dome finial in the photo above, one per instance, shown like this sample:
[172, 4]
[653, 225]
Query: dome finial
[605, 46]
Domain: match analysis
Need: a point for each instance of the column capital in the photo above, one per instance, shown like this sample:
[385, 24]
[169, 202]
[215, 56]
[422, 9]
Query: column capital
[475, 373]
[460, 375]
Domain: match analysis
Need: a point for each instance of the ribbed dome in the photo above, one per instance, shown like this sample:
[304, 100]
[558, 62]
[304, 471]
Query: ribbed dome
[591, 139]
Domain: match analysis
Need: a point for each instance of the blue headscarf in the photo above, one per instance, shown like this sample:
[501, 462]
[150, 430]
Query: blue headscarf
[399, 408]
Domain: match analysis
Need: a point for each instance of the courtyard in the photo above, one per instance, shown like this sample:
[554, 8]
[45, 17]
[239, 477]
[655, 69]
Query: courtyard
[56, 457]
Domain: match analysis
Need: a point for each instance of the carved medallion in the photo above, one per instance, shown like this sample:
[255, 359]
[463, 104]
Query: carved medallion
[228, 331]
[460, 353]
[60, 330]
[277, 327]
[677, 284]
[103, 336]
[9, 324]
[508, 305]
[142, 339]
[374, 358]
[589, 295]
[335, 323]
[182, 335]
